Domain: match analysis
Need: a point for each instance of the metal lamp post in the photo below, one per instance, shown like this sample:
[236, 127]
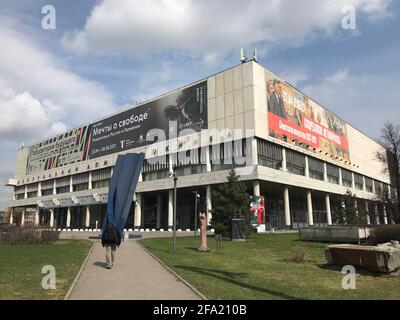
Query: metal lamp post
[174, 215]
[196, 196]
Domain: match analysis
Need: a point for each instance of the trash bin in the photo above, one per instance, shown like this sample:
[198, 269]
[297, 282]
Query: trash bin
[238, 231]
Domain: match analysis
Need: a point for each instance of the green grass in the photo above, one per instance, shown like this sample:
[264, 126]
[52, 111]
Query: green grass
[21, 266]
[255, 270]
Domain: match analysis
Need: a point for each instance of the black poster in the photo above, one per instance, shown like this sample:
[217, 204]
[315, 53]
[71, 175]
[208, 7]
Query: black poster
[128, 129]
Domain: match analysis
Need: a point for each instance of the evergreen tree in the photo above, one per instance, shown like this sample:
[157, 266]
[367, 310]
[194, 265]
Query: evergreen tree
[352, 214]
[231, 200]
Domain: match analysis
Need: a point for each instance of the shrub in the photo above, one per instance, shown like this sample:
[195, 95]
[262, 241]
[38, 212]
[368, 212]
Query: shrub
[50, 236]
[296, 255]
[384, 233]
[27, 235]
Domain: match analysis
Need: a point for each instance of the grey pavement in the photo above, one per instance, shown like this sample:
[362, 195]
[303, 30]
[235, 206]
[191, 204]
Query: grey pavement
[135, 275]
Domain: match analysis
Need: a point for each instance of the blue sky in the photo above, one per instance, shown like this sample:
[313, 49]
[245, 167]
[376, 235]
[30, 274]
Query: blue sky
[104, 55]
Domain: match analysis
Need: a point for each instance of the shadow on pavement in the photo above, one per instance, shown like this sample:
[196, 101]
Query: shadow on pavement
[100, 264]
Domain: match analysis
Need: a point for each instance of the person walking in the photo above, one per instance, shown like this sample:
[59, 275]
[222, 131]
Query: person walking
[111, 239]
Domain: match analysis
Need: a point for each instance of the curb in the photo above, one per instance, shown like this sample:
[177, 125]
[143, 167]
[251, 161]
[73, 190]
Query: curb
[72, 286]
[202, 296]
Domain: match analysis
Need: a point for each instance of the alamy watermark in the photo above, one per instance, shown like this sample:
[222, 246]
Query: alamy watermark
[49, 18]
[349, 20]
[49, 280]
[349, 280]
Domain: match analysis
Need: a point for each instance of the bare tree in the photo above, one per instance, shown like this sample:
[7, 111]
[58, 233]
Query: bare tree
[390, 140]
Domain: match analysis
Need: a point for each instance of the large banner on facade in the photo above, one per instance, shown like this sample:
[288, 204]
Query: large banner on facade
[64, 149]
[123, 131]
[127, 130]
[293, 114]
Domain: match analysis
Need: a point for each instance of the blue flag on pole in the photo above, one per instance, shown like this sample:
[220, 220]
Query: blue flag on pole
[122, 187]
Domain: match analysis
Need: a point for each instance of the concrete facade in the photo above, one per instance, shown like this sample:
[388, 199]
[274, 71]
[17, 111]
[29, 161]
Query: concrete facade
[236, 99]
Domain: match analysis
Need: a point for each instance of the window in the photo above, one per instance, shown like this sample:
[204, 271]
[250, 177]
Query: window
[80, 182]
[269, 154]
[100, 184]
[347, 178]
[19, 196]
[32, 194]
[47, 192]
[368, 185]
[63, 189]
[81, 187]
[295, 162]
[332, 173]
[378, 187]
[358, 181]
[316, 169]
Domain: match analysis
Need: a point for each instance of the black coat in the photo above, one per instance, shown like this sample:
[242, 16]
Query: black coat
[111, 236]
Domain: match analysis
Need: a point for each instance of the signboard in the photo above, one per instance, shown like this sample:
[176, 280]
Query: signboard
[63, 149]
[123, 131]
[293, 114]
[127, 130]
[257, 206]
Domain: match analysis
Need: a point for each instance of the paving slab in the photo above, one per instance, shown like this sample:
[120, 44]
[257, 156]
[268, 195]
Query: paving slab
[136, 275]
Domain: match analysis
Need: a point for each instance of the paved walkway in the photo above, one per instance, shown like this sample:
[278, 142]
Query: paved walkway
[135, 275]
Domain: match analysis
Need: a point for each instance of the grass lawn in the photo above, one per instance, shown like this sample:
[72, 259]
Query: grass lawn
[255, 270]
[21, 266]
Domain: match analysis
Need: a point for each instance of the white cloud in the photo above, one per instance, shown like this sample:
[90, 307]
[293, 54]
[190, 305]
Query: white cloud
[24, 118]
[360, 99]
[30, 73]
[39, 96]
[207, 27]
[294, 77]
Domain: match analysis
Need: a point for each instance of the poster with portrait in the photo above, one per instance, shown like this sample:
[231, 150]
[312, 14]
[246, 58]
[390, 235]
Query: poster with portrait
[293, 115]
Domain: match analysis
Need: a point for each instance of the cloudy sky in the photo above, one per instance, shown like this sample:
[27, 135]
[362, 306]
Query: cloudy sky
[104, 55]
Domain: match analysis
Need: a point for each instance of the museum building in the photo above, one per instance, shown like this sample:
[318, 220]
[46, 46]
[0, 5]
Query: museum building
[284, 145]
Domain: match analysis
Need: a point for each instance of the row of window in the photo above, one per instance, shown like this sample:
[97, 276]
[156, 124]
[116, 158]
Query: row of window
[270, 155]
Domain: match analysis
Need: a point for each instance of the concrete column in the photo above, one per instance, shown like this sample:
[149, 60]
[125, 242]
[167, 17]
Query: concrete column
[364, 185]
[87, 219]
[344, 209]
[373, 187]
[36, 220]
[385, 220]
[26, 192]
[23, 217]
[328, 209]
[254, 152]
[310, 208]
[170, 208]
[159, 209]
[208, 161]
[353, 183]
[356, 207]
[208, 204]
[340, 177]
[90, 185]
[71, 187]
[11, 221]
[68, 224]
[307, 167]
[51, 218]
[325, 173]
[367, 209]
[54, 187]
[286, 205]
[284, 168]
[256, 188]
[138, 211]
[376, 213]
[39, 189]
